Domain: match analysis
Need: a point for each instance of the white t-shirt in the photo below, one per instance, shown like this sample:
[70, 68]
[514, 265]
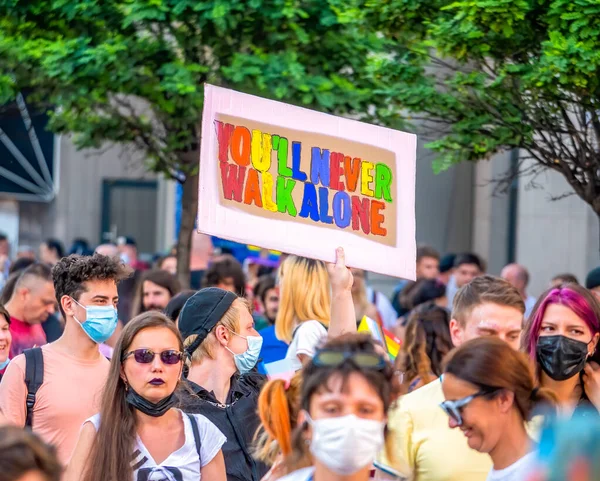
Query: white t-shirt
[303, 474]
[519, 471]
[183, 464]
[308, 337]
[388, 314]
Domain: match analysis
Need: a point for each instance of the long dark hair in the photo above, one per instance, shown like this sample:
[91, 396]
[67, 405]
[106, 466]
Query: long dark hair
[111, 452]
[426, 343]
[161, 278]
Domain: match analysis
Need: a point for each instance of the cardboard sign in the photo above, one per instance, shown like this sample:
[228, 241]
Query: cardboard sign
[303, 182]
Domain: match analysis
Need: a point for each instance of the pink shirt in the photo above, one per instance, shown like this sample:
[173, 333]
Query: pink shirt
[25, 336]
[70, 394]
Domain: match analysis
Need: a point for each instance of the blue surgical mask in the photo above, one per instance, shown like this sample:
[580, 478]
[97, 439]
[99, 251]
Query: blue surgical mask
[4, 364]
[246, 361]
[100, 322]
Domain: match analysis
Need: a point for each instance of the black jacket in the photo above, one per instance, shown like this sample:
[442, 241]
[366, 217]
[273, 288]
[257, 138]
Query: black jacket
[237, 420]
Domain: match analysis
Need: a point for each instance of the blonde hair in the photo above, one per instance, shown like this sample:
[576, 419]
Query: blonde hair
[305, 295]
[230, 320]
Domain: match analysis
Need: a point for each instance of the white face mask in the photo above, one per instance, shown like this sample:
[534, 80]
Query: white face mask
[346, 444]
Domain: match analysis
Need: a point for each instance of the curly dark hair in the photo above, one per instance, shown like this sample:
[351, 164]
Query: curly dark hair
[426, 342]
[223, 268]
[70, 274]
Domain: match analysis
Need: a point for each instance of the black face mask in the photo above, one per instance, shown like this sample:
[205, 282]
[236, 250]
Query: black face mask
[147, 407]
[561, 357]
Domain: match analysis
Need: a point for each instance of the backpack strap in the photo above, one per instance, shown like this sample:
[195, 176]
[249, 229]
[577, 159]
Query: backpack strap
[300, 325]
[196, 432]
[34, 378]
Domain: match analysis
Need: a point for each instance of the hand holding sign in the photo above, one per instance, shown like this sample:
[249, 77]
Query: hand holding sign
[339, 275]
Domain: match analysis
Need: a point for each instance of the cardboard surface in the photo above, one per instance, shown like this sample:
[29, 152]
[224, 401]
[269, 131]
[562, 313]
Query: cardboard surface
[303, 182]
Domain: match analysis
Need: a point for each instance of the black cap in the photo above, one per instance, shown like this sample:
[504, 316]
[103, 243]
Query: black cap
[447, 262]
[201, 313]
[593, 278]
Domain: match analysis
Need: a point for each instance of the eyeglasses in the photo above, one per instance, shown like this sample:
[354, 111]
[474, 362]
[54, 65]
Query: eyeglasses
[454, 409]
[146, 356]
[367, 360]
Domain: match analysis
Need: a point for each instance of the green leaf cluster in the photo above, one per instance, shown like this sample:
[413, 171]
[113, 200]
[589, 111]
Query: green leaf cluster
[492, 75]
[133, 70]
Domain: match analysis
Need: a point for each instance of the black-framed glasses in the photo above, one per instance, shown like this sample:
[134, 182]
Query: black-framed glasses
[146, 356]
[454, 409]
[367, 360]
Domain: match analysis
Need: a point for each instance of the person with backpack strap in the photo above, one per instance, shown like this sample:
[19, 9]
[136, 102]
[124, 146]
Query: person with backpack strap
[139, 434]
[55, 388]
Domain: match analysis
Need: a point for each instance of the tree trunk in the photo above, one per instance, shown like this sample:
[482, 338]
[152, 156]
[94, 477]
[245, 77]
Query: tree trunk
[189, 209]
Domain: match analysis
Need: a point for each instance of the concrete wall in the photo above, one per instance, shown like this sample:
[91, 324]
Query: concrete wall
[444, 204]
[554, 236]
[77, 209]
[491, 213]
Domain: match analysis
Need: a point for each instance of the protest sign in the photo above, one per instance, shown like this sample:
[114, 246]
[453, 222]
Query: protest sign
[303, 182]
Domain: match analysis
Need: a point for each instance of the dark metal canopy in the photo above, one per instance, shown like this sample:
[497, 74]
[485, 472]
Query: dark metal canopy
[27, 153]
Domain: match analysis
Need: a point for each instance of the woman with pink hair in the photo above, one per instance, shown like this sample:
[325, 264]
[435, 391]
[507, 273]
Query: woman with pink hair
[561, 336]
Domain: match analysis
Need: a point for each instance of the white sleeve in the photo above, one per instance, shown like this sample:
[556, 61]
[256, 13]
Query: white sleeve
[95, 420]
[388, 313]
[310, 335]
[211, 439]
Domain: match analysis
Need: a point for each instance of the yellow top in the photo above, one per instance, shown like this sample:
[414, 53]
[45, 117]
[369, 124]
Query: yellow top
[423, 445]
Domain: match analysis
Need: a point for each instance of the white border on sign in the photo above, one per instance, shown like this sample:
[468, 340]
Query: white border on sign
[301, 239]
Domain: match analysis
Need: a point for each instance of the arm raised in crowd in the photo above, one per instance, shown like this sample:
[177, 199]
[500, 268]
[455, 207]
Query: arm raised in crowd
[343, 316]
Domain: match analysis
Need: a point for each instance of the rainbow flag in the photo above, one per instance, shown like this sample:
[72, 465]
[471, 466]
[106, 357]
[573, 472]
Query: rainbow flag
[385, 337]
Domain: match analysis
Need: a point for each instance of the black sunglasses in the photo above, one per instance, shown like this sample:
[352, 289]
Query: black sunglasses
[454, 409]
[367, 360]
[146, 356]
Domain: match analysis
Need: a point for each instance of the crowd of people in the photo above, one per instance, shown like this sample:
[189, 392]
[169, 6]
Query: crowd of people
[109, 370]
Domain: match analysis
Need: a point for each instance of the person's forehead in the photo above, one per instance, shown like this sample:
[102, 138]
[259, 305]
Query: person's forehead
[156, 338]
[245, 316]
[150, 286]
[561, 315]
[40, 287]
[107, 288]
[354, 388]
[271, 293]
[495, 316]
[468, 267]
[455, 388]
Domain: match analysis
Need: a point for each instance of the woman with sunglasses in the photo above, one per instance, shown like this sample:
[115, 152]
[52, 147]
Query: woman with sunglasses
[139, 434]
[560, 336]
[346, 392]
[490, 394]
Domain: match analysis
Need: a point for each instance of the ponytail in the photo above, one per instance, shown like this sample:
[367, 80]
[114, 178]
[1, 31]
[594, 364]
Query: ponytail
[278, 407]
